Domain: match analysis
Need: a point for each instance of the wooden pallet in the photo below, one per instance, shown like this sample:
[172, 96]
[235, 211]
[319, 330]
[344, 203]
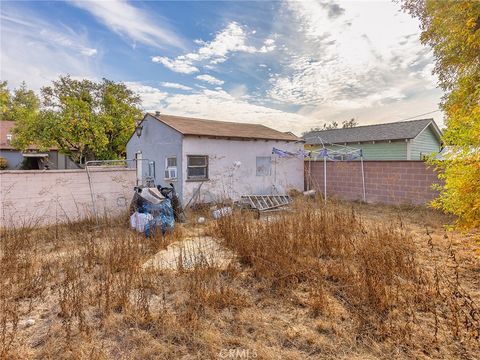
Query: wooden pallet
[266, 202]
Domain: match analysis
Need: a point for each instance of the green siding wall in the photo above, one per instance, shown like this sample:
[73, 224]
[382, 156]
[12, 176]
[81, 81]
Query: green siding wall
[396, 150]
[424, 144]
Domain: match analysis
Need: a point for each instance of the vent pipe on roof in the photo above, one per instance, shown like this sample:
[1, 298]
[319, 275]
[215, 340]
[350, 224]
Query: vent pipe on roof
[157, 113]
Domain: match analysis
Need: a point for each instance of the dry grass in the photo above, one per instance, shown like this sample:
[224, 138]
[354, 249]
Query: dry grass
[316, 282]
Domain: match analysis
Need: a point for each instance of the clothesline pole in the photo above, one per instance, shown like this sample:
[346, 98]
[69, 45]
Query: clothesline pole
[309, 178]
[363, 179]
[275, 169]
[325, 178]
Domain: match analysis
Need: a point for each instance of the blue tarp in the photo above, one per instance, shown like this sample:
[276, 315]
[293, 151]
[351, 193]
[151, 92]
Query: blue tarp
[344, 153]
[283, 153]
[162, 217]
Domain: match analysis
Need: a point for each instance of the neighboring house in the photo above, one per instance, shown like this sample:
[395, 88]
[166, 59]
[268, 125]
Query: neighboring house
[227, 159]
[406, 140]
[32, 158]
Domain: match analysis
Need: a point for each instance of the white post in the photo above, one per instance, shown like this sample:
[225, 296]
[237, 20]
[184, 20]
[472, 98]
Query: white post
[138, 158]
[325, 179]
[275, 159]
[363, 180]
[309, 177]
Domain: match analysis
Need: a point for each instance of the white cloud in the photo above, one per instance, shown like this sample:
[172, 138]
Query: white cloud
[239, 91]
[427, 75]
[232, 39]
[133, 22]
[220, 105]
[348, 54]
[47, 33]
[65, 37]
[37, 52]
[175, 65]
[89, 52]
[422, 102]
[210, 79]
[175, 86]
[268, 45]
[151, 97]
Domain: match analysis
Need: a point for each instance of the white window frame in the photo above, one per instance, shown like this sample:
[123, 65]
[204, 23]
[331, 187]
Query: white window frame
[171, 172]
[197, 178]
[267, 172]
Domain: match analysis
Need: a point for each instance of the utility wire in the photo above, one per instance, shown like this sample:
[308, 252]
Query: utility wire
[413, 117]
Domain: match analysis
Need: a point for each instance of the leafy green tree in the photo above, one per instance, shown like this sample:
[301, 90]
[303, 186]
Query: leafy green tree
[22, 103]
[333, 125]
[24, 109]
[349, 123]
[452, 30]
[84, 119]
[4, 100]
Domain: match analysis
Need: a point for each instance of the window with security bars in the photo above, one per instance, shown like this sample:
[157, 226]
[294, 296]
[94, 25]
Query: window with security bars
[197, 167]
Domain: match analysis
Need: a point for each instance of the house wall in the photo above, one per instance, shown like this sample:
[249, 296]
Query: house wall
[53, 160]
[424, 144]
[64, 163]
[390, 182]
[156, 143]
[396, 150]
[41, 197]
[14, 158]
[227, 182]
[56, 160]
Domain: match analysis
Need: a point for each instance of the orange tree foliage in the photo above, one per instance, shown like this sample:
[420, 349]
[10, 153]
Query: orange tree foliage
[452, 30]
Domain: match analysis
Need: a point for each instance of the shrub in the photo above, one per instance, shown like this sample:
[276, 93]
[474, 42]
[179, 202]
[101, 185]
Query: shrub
[3, 163]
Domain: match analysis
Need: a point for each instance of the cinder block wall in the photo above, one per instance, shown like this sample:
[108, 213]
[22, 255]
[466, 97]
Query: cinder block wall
[41, 197]
[389, 182]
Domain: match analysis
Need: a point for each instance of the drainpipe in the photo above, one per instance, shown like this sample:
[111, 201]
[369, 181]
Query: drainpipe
[138, 164]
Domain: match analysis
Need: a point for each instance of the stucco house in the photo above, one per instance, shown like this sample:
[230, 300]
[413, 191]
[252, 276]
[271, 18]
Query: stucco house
[227, 159]
[405, 140]
[32, 159]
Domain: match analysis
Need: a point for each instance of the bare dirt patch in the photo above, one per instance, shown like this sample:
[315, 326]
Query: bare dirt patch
[190, 253]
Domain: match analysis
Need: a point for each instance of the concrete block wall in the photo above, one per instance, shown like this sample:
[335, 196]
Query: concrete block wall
[389, 182]
[41, 197]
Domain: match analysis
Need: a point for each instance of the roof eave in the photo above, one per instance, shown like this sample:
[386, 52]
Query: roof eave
[360, 141]
[163, 122]
[156, 118]
[243, 137]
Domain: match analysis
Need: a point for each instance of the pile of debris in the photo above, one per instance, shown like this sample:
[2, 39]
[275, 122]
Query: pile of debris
[154, 209]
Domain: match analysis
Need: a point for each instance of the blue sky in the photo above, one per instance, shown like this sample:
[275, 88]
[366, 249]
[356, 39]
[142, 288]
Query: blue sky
[289, 65]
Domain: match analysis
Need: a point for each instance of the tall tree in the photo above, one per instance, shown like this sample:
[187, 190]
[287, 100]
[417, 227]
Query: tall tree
[4, 100]
[349, 123]
[452, 30]
[333, 125]
[84, 119]
[22, 102]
